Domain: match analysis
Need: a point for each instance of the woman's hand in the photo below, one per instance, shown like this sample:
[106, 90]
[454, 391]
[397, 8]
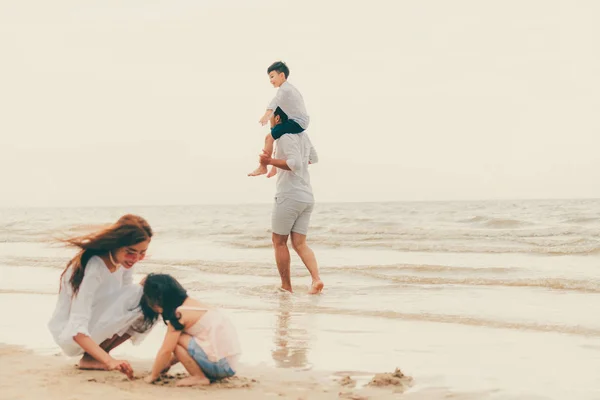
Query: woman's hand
[122, 366]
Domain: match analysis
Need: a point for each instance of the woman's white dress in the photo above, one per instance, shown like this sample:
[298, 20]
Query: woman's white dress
[106, 304]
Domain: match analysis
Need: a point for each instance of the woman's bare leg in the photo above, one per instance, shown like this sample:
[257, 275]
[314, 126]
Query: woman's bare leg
[89, 362]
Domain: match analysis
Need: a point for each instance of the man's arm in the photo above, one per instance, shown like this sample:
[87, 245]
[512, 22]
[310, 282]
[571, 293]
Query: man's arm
[265, 159]
[291, 152]
[281, 164]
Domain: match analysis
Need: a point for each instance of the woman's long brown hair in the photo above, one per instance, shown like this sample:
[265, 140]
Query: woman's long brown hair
[129, 230]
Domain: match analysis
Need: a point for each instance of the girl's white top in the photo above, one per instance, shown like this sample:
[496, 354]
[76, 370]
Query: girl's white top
[216, 335]
[106, 304]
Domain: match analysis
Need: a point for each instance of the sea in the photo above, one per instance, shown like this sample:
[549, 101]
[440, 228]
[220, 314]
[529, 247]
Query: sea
[500, 298]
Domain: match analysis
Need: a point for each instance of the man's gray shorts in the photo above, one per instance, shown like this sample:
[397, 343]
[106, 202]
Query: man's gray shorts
[290, 216]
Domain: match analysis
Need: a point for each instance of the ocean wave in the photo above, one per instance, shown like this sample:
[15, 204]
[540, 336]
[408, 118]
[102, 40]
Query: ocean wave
[584, 286]
[37, 262]
[400, 274]
[540, 227]
[495, 223]
[25, 291]
[573, 247]
[270, 292]
[498, 223]
[427, 268]
[311, 308]
[582, 220]
[188, 268]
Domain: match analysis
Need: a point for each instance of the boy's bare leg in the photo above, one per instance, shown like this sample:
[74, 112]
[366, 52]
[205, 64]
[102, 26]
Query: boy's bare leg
[88, 362]
[262, 169]
[272, 172]
[310, 261]
[197, 377]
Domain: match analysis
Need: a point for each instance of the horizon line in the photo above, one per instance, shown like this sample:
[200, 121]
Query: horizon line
[507, 199]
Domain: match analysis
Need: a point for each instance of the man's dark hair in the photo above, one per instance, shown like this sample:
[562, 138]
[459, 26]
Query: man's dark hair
[281, 114]
[279, 67]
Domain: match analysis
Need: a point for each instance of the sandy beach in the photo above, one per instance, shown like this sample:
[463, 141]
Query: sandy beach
[26, 375]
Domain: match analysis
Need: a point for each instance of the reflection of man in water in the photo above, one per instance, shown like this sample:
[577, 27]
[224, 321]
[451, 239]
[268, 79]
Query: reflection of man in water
[291, 344]
[294, 202]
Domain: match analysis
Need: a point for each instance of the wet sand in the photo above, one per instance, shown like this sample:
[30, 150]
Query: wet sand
[27, 375]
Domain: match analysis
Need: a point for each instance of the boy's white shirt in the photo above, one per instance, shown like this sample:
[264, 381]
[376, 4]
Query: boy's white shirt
[290, 100]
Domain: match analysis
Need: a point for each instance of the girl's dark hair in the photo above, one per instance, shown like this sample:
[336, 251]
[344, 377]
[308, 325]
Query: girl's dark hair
[129, 230]
[164, 291]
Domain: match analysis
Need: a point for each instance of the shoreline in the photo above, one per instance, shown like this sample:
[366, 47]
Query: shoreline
[299, 355]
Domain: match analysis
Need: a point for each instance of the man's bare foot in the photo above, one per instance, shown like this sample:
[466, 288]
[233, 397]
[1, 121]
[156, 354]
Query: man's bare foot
[258, 171]
[316, 287]
[285, 290]
[88, 362]
[193, 381]
[272, 172]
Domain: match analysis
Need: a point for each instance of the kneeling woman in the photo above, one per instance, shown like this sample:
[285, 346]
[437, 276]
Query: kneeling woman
[97, 306]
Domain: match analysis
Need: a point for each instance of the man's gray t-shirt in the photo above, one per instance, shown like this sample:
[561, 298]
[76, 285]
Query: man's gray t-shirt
[297, 151]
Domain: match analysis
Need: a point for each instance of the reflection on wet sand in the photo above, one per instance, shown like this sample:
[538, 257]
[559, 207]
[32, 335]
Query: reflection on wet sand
[291, 339]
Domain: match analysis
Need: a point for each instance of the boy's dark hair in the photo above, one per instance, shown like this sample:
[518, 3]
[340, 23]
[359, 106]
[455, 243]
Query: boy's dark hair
[279, 67]
[282, 115]
[161, 290]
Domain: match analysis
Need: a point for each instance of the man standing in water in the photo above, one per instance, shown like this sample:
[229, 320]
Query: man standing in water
[294, 202]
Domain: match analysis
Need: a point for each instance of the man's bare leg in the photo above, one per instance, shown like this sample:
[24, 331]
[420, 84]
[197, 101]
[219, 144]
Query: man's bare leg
[88, 362]
[262, 169]
[310, 261]
[197, 377]
[282, 257]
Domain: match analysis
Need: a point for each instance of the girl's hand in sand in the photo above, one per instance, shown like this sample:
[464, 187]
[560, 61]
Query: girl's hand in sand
[121, 366]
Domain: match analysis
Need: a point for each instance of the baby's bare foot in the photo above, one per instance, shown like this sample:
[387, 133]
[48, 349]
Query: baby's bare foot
[193, 381]
[316, 287]
[90, 363]
[272, 172]
[258, 171]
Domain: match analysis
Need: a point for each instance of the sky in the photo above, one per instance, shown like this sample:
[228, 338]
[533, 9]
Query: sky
[108, 102]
